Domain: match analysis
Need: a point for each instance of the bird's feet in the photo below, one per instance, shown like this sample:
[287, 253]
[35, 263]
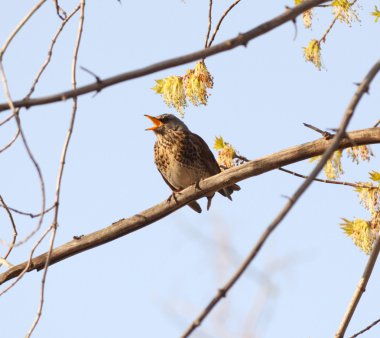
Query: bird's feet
[173, 196]
[196, 185]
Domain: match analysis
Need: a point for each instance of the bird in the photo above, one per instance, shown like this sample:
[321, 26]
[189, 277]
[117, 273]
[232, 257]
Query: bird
[184, 158]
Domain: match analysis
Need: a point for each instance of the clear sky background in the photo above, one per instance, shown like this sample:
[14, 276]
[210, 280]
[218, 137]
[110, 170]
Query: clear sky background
[154, 282]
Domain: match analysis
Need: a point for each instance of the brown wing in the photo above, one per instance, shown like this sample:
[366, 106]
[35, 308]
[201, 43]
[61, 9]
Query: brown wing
[206, 155]
[211, 164]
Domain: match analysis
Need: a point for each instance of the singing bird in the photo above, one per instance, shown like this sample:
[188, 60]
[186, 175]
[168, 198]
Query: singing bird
[183, 158]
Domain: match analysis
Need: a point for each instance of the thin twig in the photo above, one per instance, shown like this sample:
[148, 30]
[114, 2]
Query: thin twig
[209, 23]
[16, 112]
[240, 40]
[29, 152]
[323, 38]
[13, 140]
[31, 215]
[369, 327]
[354, 185]
[60, 172]
[324, 133]
[97, 77]
[220, 22]
[8, 118]
[360, 288]
[338, 13]
[18, 27]
[60, 12]
[3, 261]
[50, 52]
[27, 265]
[5, 206]
[39, 74]
[215, 183]
[334, 145]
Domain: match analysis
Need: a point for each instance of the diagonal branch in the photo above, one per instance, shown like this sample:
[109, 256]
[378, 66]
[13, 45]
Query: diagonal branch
[19, 26]
[334, 145]
[369, 327]
[240, 40]
[226, 178]
[61, 167]
[360, 288]
[221, 20]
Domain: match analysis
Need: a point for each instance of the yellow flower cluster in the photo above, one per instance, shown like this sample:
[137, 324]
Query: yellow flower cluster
[363, 232]
[360, 232]
[172, 91]
[196, 83]
[312, 53]
[333, 168]
[226, 153]
[358, 153]
[376, 14]
[307, 15]
[343, 9]
[193, 86]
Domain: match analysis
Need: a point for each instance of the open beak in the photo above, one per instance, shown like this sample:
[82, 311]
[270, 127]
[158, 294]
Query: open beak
[157, 122]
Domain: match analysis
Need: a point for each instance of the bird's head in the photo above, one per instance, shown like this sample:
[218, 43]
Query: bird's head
[165, 122]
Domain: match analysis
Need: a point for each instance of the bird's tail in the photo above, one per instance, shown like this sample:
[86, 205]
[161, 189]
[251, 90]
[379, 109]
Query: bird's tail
[195, 206]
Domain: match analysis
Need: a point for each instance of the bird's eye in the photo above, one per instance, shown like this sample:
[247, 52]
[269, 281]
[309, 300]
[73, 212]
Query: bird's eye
[165, 119]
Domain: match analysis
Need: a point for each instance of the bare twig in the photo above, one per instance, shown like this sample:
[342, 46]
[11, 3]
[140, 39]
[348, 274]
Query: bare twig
[209, 23]
[13, 140]
[60, 12]
[240, 40]
[227, 177]
[354, 185]
[324, 133]
[27, 265]
[47, 61]
[360, 288]
[338, 13]
[60, 172]
[16, 112]
[50, 52]
[8, 118]
[31, 215]
[3, 261]
[369, 327]
[5, 206]
[97, 78]
[19, 26]
[323, 38]
[333, 146]
[220, 22]
[29, 152]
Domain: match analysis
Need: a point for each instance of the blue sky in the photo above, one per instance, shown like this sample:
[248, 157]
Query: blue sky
[154, 282]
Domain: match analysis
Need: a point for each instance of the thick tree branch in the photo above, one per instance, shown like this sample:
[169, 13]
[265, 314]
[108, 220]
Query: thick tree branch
[240, 40]
[227, 177]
